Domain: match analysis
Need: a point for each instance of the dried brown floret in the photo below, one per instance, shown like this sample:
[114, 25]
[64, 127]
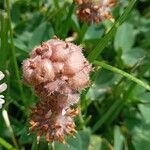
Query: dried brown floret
[94, 10]
[52, 118]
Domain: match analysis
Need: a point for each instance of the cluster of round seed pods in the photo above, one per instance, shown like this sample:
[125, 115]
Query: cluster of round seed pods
[57, 71]
[94, 10]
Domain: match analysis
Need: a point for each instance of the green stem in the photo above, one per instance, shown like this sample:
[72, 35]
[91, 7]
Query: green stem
[106, 116]
[56, 3]
[82, 32]
[126, 96]
[7, 122]
[6, 144]
[13, 51]
[123, 73]
[53, 145]
[82, 124]
[66, 26]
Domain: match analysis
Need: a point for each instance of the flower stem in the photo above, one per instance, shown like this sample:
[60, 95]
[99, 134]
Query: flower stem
[13, 51]
[123, 73]
[6, 144]
[7, 122]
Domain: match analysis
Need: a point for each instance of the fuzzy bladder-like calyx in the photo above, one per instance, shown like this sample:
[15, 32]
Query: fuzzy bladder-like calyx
[57, 71]
[94, 10]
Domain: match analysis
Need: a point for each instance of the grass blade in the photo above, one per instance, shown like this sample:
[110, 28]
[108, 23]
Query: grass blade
[104, 41]
[13, 51]
[104, 118]
[6, 144]
[3, 39]
[66, 26]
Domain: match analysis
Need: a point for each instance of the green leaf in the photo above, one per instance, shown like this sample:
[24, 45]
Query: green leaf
[98, 143]
[145, 111]
[93, 32]
[124, 38]
[81, 142]
[102, 84]
[118, 139]
[132, 56]
[141, 137]
[25, 138]
[43, 32]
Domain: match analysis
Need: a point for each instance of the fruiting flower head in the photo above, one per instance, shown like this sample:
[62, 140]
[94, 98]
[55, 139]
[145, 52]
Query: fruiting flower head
[94, 10]
[57, 71]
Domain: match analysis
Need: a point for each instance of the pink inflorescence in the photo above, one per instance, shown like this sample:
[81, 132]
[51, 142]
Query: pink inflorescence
[94, 10]
[57, 71]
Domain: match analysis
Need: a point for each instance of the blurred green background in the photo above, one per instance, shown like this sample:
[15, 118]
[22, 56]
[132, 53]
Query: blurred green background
[115, 108]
